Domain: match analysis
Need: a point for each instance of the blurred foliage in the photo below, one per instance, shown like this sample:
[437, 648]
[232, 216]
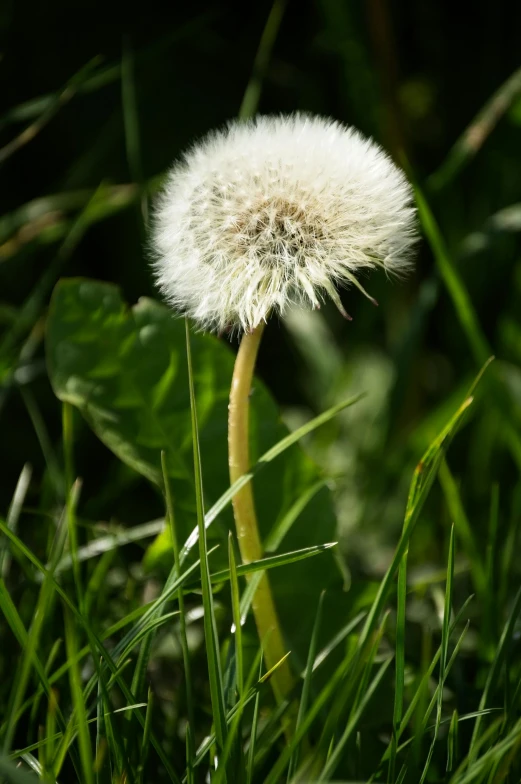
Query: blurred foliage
[98, 100]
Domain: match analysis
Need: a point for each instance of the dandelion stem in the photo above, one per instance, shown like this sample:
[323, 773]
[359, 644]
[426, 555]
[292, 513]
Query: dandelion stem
[250, 545]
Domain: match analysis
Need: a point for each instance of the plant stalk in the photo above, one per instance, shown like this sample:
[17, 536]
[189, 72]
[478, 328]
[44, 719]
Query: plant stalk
[264, 610]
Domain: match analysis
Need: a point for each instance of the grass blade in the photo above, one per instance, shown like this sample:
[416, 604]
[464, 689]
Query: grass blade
[452, 742]
[399, 663]
[272, 562]
[453, 282]
[180, 599]
[79, 707]
[210, 626]
[304, 698]
[112, 541]
[32, 130]
[275, 538]
[250, 101]
[266, 458]
[353, 722]
[416, 699]
[236, 613]
[145, 742]
[469, 322]
[463, 529]
[68, 440]
[490, 621]
[23, 671]
[476, 133]
[423, 479]
[13, 515]
[444, 654]
[495, 669]
[253, 732]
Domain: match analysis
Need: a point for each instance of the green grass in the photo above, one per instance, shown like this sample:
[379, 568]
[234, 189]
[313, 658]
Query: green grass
[389, 507]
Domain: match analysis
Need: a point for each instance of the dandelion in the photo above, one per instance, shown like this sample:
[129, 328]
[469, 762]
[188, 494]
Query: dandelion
[259, 216]
[278, 211]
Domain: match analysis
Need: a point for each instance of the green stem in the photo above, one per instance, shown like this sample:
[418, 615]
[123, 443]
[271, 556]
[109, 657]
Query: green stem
[250, 545]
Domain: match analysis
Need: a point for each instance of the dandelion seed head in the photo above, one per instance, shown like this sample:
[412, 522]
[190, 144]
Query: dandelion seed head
[278, 211]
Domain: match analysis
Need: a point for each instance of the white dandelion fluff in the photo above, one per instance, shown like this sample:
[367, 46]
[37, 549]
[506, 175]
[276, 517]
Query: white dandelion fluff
[277, 211]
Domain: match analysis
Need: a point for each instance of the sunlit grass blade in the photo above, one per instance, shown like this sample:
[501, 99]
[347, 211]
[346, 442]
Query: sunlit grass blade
[233, 749]
[487, 740]
[486, 762]
[129, 697]
[47, 750]
[253, 731]
[353, 722]
[510, 546]
[44, 439]
[146, 632]
[23, 671]
[110, 73]
[210, 626]
[495, 669]
[104, 740]
[137, 686]
[154, 610]
[444, 654]
[453, 282]
[250, 101]
[350, 693]
[280, 528]
[271, 562]
[57, 674]
[452, 742]
[399, 662]
[96, 581]
[421, 484]
[18, 753]
[107, 658]
[423, 726]
[180, 600]
[415, 702]
[306, 687]
[266, 458]
[469, 321]
[491, 628]
[190, 778]
[236, 614]
[11, 615]
[111, 542]
[271, 732]
[78, 702]
[250, 694]
[68, 440]
[463, 529]
[474, 136]
[13, 515]
[145, 741]
[318, 704]
[33, 305]
[32, 130]
[339, 637]
[275, 539]
[107, 740]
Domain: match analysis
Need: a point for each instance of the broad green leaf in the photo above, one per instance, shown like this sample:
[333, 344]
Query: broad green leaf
[125, 370]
